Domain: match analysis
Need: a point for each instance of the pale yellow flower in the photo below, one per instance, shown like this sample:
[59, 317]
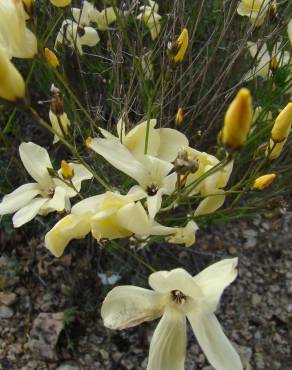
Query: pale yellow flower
[149, 15]
[185, 235]
[57, 122]
[69, 35]
[47, 194]
[12, 85]
[176, 295]
[256, 10]
[210, 188]
[289, 30]
[107, 216]
[15, 37]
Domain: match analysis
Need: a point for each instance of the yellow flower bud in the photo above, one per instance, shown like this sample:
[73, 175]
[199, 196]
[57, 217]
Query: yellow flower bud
[237, 120]
[66, 170]
[264, 181]
[60, 3]
[280, 132]
[51, 58]
[178, 49]
[12, 85]
[274, 64]
[88, 141]
[179, 117]
[281, 128]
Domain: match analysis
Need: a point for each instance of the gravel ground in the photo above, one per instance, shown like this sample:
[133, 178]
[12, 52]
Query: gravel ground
[256, 311]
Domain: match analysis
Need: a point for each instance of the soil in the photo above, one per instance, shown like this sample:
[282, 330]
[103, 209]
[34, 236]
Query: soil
[255, 311]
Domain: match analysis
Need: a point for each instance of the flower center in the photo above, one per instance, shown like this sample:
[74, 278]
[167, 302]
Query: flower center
[152, 189]
[178, 296]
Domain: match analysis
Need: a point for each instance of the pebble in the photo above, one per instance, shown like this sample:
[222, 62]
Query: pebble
[6, 312]
[7, 299]
[68, 367]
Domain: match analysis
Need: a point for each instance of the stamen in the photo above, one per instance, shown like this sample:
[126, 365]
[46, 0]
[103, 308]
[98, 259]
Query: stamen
[152, 189]
[178, 297]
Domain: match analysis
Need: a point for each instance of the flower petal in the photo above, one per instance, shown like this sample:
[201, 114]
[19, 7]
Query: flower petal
[19, 198]
[28, 212]
[216, 346]
[215, 278]
[90, 37]
[68, 228]
[57, 203]
[133, 217]
[168, 344]
[119, 157]
[154, 203]
[127, 306]
[171, 142]
[88, 205]
[210, 204]
[177, 279]
[36, 160]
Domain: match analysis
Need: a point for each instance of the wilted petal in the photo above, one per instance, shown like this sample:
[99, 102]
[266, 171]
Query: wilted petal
[69, 228]
[215, 278]
[168, 344]
[177, 279]
[28, 212]
[128, 306]
[36, 160]
[210, 204]
[214, 343]
[171, 142]
[185, 235]
[19, 198]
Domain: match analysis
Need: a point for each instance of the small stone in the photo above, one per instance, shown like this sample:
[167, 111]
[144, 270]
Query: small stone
[7, 299]
[256, 299]
[6, 312]
[68, 367]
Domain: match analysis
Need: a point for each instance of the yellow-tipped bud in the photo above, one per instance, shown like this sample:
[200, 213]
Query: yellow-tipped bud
[178, 49]
[88, 141]
[60, 3]
[264, 181]
[237, 120]
[280, 132]
[51, 58]
[179, 117]
[12, 85]
[274, 64]
[66, 170]
[281, 128]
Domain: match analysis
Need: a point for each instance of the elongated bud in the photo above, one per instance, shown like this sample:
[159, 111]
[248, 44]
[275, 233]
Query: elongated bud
[281, 128]
[178, 49]
[274, 64]
[237, 120]
[264, 181]
[61, 3]
[12, 85]
[280, 132]
[179, 117]
[66, 170]
[51, 58]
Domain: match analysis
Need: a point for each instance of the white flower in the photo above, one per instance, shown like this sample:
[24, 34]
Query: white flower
[151, 173]
[74, 35]
[263, 59]
[89, 14]
[107, 216]
[176, 295]
[163, 143]
[64, 121]
[256, 10]
[15, 37]
[149, 15]
[45, 195]
[185, 235]
[211, 187]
